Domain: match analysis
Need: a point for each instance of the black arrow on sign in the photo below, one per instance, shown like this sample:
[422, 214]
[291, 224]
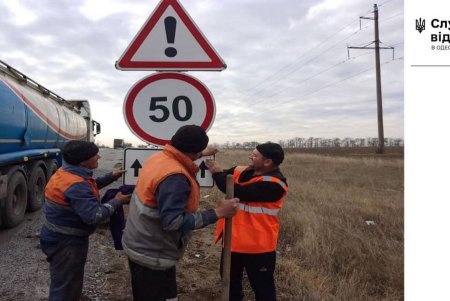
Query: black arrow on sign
[202, 169]
[136, 165]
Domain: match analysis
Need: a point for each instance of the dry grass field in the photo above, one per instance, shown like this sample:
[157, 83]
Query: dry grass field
[341, 225]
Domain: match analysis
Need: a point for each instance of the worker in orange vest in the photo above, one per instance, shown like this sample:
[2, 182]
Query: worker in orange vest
[261, 189]
[164, 212]
[71, 212]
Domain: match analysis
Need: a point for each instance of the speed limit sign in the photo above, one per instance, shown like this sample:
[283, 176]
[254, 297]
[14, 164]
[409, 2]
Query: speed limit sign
[159, 104]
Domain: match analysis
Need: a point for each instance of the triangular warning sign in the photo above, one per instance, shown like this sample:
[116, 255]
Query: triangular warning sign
[170, 40]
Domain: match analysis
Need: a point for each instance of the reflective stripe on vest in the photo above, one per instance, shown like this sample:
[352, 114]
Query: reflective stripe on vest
[66, 230]
[57, 206]
[142, 209]
[273, 179]
[241, 168]
[63, 229]
[255, 227]
[254, 209]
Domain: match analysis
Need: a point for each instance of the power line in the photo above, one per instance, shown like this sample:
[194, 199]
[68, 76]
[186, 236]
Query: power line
[290, 65]
[303, 64]
[272, 81]
[304, 54]
[385, 2]
[340, 81]
[392, 17]
[311, 77]
[308, 78]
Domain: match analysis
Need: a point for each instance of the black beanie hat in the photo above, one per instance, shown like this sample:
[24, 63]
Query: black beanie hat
[77, 151]
[272, 151]
[190, 139]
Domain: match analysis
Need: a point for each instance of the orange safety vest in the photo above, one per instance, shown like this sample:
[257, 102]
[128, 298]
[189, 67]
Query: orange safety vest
[61, 181]
[256, 225]
[161, 165]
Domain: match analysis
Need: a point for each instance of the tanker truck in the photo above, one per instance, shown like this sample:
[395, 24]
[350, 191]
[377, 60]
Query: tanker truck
[34, 125]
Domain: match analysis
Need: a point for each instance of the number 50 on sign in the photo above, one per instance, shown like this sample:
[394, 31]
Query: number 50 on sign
[158, 105]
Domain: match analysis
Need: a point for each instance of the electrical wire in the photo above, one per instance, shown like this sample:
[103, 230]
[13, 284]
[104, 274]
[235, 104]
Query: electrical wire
[272, 82]
[297, 84]
[337, 82]
[304, 54]
[270, 77]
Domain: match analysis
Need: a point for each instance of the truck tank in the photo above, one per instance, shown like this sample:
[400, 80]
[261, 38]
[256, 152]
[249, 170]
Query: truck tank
[34, 125]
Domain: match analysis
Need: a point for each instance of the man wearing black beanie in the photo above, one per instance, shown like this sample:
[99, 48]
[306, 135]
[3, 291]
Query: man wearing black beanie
[163, 213]
[72, 210]
[261, 188]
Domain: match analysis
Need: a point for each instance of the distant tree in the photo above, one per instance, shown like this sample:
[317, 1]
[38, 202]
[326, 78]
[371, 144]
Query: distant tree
[337, 142]
[300, 142]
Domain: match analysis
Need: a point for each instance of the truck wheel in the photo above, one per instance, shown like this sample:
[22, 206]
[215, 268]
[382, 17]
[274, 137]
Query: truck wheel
[51, 170]
[36, 187]
[15, 201]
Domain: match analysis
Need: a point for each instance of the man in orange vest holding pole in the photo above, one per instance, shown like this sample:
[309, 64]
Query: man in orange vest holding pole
[261, 189]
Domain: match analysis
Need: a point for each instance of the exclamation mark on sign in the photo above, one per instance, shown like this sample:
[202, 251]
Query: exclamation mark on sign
[171, 25]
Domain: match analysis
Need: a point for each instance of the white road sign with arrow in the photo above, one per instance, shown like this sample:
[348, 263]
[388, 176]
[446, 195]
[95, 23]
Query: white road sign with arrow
[134, 159]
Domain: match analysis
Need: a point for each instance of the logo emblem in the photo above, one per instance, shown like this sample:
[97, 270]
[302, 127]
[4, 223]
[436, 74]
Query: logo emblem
[420, 25]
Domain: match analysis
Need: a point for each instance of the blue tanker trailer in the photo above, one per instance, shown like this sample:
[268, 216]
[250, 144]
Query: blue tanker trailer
[34, 125]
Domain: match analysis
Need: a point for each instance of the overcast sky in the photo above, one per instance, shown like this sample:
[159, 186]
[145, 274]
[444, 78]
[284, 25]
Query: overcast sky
[288, 71]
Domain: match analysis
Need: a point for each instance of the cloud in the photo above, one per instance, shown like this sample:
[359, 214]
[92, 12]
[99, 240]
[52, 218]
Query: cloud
[19, 14]
[288, 68]
[324, 8]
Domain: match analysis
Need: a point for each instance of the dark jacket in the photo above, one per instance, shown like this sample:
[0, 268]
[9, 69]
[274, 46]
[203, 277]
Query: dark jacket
[84, 210]
[256, 192]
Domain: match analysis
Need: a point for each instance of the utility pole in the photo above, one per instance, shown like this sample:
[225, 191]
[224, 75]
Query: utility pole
[377, 48]
[378, 73]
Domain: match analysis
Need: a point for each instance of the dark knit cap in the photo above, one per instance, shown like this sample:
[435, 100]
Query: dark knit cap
[190, 139]
[77, 151]
[272, 151]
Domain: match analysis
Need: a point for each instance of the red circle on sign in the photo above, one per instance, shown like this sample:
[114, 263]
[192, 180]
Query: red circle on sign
[132, 94]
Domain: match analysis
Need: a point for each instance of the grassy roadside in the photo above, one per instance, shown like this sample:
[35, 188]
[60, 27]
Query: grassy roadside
[341, 226]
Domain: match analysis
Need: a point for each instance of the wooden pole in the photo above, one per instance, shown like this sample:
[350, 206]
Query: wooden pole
[226, 259]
